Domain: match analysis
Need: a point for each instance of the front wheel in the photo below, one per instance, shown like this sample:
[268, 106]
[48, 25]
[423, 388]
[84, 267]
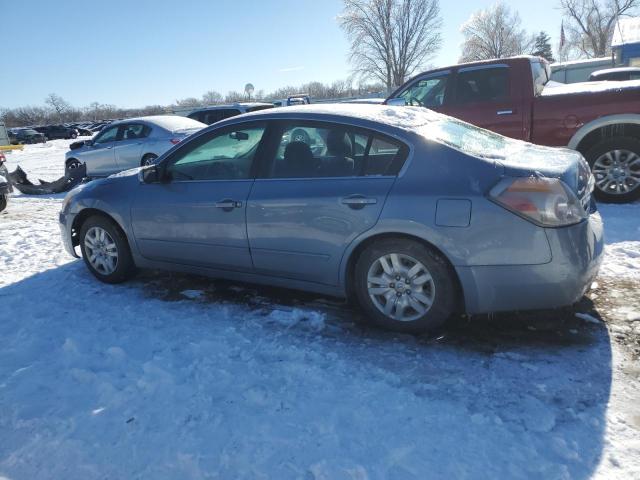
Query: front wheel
[148, 159]
[105, 250]
[404, 286]
[615, 163]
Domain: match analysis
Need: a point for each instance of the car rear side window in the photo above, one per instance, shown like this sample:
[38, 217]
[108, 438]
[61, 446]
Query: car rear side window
[482, 85]
[308, 150]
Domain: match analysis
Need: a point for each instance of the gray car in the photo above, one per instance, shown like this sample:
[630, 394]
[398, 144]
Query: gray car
[130, 143]
[414, 214]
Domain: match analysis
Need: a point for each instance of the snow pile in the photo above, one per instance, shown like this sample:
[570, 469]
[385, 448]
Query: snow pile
[101, 381]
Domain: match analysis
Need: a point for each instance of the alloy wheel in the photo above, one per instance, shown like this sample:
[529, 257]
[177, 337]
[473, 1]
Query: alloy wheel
[101, 250]
[401, 287]
[617, 172]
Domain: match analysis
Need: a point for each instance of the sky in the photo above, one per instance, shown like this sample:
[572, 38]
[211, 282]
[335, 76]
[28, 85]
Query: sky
[144, 52]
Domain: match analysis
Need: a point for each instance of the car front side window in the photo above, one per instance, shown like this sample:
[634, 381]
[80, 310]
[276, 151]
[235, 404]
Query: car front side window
[227, 155]
[108, 135]
[427, 92]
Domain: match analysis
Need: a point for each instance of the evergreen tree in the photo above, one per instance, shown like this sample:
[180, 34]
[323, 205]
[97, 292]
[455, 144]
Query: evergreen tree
[542, 47]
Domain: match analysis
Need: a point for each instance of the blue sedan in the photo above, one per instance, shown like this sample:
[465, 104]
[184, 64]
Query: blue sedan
[415, 215]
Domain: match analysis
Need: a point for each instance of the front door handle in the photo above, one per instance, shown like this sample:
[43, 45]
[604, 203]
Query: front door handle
[358, 201]
[227, 204]
[504, 112]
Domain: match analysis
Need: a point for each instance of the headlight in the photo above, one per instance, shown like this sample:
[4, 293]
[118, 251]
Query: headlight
[547, 202]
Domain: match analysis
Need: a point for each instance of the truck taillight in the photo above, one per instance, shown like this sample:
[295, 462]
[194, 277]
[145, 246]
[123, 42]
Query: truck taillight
[547, 202]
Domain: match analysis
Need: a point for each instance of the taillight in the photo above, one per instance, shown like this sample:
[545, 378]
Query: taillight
[544, 201]
[175, 141]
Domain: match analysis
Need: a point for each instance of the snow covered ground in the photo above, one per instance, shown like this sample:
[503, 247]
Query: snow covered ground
[172, 376]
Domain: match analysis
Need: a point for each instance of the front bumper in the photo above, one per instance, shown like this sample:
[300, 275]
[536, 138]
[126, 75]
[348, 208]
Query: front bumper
[66, 223]
[577, 253]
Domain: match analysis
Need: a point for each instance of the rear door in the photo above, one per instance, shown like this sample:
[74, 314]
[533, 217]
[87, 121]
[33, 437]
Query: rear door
[317, 193]
[128, 150]
[486, 96]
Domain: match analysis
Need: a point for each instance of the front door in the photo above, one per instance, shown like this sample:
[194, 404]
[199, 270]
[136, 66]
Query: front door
[320, 190]
[99, 156]
[197, 216]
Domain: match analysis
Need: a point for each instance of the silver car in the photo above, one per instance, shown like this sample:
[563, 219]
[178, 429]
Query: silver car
[415, 214]
[130, 143]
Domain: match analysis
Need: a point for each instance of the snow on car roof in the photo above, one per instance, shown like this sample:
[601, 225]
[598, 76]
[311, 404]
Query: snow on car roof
[590, 87]
[168, 122]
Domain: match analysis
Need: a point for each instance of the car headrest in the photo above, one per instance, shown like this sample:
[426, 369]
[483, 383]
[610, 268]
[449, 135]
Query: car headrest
[339, 144]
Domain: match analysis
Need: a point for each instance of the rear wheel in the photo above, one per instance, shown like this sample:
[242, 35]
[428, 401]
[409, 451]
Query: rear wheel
[404, 286]
[615, 163]
[105, 250]
[148, 159]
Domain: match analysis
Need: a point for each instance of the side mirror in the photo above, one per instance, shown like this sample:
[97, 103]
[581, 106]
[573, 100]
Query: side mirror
[239, 136]
[150, 174]
[396, 102]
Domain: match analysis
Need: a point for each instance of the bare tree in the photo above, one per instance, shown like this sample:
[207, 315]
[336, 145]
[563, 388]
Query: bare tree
[391, 39]
[494, 33]
[58, 104]
[211, 97]
[590, 24]
[188, 102]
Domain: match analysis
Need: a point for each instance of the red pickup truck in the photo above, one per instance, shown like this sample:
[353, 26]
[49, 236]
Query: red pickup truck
[513, 96]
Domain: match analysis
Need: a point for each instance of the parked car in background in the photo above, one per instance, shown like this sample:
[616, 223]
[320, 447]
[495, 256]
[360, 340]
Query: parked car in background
[434, 216]
[216, 113]
[510, 97]
[130, 143]
[575, 71]
[56, 132]
[619, 74]
[5, 183]
[298, 99]
[19, 136]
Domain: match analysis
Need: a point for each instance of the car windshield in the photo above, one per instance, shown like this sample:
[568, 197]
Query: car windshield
[177, 123]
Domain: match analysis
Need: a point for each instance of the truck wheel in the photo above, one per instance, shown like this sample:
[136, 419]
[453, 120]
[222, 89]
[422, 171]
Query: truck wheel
[404, 286]
[615, 163]
[299, 135]
[3, 202]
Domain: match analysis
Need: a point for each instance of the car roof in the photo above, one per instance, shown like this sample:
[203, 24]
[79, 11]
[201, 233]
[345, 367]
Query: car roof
[606, 71]
[395, 117]
[168, 122]
[233, 105]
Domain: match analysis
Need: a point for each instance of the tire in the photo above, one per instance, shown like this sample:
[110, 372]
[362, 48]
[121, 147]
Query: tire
[104, 267]
[148, 159]
[3, 202]
[615, 163]
[74, 136]
[439, 289]
[72, 164]
[299, 135]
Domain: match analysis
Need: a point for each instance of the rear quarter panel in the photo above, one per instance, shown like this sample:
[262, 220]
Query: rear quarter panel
[494, 236]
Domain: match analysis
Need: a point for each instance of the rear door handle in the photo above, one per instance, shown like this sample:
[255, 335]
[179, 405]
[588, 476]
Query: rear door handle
[504, 112]
[227, 205]
[358, 201]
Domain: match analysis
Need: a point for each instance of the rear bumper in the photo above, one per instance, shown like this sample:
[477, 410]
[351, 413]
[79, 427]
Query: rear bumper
[576, 257]
[65, 223]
